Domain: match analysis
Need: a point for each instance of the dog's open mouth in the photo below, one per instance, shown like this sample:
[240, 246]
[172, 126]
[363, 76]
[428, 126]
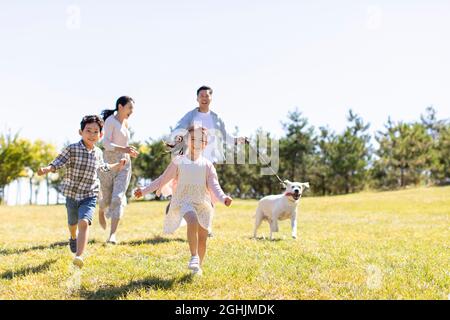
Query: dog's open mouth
[294, 195]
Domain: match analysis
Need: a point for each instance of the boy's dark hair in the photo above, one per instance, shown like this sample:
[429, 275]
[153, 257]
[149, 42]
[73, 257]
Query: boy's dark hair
[92, 119]
[204, 88]
[122, 101]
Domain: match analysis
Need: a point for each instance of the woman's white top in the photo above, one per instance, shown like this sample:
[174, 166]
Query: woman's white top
[116, 134]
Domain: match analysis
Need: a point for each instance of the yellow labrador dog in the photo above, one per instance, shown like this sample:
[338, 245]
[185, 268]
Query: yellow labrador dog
[280, 207]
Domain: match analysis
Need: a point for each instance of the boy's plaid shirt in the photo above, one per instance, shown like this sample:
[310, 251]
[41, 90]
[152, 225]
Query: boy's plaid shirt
[81, 179]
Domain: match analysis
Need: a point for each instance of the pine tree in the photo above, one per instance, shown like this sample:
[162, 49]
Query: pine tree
[297, 148]
[405, 153]
[350, 156]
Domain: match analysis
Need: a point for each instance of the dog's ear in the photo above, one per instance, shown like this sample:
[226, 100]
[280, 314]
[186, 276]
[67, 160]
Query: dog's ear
[286, 182]
[306, 184]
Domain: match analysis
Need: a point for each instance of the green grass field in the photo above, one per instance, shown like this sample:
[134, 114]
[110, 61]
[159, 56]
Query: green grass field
[389, 245]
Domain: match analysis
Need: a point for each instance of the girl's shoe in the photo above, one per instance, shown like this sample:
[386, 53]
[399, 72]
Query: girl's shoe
[194, 264]
[78, 261]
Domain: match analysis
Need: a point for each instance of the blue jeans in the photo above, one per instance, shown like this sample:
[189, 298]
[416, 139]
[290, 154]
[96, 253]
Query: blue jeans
[79, 210]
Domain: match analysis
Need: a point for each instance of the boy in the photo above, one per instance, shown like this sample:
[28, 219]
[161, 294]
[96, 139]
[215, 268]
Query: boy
[80, 185]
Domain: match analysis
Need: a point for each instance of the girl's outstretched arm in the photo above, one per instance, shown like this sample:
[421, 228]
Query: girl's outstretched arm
[157, 184]
[213, 185]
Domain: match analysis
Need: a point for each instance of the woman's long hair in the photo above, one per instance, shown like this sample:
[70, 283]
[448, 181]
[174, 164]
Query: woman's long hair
[121, 101]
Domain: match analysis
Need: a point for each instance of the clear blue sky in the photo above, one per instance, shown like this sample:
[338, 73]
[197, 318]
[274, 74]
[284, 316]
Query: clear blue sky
[263, 58]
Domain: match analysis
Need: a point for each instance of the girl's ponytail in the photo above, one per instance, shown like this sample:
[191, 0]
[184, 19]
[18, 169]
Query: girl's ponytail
[121, 101]
[107, 113]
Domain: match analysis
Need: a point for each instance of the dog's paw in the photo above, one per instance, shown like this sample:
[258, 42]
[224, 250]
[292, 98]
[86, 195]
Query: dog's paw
[294, 237]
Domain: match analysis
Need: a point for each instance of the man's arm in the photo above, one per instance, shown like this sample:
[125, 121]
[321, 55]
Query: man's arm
[184, 122]
[231, 140]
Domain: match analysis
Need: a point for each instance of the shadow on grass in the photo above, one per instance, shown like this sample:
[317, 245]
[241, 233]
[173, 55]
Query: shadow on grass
[153, 241]
[9, 275]
[266, 239]
[5, 252]
[114, 293]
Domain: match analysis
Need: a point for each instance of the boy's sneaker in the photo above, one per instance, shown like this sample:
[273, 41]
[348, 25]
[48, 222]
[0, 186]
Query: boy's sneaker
[194, 264]
[73, 245]
[78, 261]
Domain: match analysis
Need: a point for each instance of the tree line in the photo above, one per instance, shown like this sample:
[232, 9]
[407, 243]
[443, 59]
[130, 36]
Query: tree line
[401, 154]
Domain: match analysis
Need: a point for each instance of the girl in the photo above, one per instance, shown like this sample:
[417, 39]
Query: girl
[195, 186]
[115, 184]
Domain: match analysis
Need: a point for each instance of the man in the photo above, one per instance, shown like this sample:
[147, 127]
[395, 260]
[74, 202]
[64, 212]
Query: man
[203, 116]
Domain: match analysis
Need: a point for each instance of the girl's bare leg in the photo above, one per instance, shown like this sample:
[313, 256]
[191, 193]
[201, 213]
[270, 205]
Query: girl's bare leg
[202, 237]
[192, 227]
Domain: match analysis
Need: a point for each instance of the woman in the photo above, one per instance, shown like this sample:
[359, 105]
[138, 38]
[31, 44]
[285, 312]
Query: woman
[115, 184]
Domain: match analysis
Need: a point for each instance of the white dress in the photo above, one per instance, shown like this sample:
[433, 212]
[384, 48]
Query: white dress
[191, 194]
